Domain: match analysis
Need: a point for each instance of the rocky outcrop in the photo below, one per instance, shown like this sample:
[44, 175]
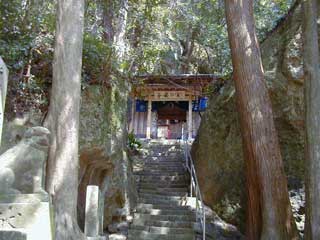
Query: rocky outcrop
[103, 156]
[217, 150]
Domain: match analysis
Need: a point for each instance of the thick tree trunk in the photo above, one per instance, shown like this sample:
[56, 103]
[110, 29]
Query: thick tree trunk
[120, 32]
[312, 123]
[107, 18]
[269, 212]
[63, 118]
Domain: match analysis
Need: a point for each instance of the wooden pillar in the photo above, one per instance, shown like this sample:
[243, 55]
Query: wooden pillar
[190, 120]
[133, 110]
[3, 92]
[148, 135]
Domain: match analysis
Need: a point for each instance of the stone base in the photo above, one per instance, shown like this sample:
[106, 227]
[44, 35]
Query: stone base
[13, 235]
[97, 238]
[26, 214]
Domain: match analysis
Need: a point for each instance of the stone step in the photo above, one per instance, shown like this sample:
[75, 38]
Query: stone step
[163, 184]
[160, 183]
[161, 202]
[171, 156]
[186, 218]
[170, 224]
[165, 149]
[162, 172]
[163, 230]
[148, 184]
[155, 157]
[164, 189]
[164, 168]
[168, 154]
[163, 162]
[164, 178]
[158, 196]
[144, 235]
[165, 211]
[161, 206]
[157, 166]
[163, 193]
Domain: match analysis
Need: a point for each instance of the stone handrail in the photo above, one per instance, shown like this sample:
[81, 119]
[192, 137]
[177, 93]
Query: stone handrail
[200, 207]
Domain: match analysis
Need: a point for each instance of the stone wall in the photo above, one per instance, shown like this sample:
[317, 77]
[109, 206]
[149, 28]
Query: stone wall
[217, 149]
[103, 156]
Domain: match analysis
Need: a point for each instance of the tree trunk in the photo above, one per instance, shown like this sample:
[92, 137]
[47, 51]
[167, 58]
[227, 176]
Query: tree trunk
[312, 118]
[269, 214]
[120, 31]
[108, 30]
[63, 118]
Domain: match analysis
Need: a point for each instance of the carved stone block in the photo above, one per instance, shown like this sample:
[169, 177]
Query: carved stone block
[30, 213]
[21, 167]
[12, 235]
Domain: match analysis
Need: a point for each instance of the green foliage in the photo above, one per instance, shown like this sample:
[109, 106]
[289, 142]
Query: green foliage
[157, 36]
[96, 55]
[160, 29]
[133, 142]
[24, 27]
[267, 13]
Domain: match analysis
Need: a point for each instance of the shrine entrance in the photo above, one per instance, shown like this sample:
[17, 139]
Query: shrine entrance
[168, 106]
[172, 117]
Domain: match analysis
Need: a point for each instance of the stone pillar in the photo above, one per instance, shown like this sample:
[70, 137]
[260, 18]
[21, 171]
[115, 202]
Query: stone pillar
[149, 118]
[190, 120]
[91, 228]
[3, 91]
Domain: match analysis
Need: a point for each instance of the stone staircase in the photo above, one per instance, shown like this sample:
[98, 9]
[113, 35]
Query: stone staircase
[163, 182]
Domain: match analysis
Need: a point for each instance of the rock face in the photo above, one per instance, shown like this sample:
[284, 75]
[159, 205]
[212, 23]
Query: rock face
[217, 150]
[103, 156]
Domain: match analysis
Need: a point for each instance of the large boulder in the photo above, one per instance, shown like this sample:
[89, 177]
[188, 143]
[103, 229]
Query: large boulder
[217, 150]
[103, 151]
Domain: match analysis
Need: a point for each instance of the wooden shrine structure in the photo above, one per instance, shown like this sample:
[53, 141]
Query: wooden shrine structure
[168, 106]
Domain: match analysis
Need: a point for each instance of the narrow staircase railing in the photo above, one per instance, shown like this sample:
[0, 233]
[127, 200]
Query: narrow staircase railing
[195, 188]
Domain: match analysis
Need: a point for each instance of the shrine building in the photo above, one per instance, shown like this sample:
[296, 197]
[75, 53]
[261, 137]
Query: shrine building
[168, 106]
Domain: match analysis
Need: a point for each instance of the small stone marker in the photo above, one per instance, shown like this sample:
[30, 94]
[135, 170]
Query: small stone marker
[91, 227]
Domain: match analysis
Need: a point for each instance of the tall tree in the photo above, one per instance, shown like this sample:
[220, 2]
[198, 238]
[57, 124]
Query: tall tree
[269, 214]
[63, 118]
[312, 118]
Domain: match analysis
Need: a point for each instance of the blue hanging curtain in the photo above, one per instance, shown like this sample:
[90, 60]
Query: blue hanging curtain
[203, 104]
[141, 105]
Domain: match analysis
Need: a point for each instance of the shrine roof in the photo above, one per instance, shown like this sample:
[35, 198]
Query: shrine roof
[181, 79]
